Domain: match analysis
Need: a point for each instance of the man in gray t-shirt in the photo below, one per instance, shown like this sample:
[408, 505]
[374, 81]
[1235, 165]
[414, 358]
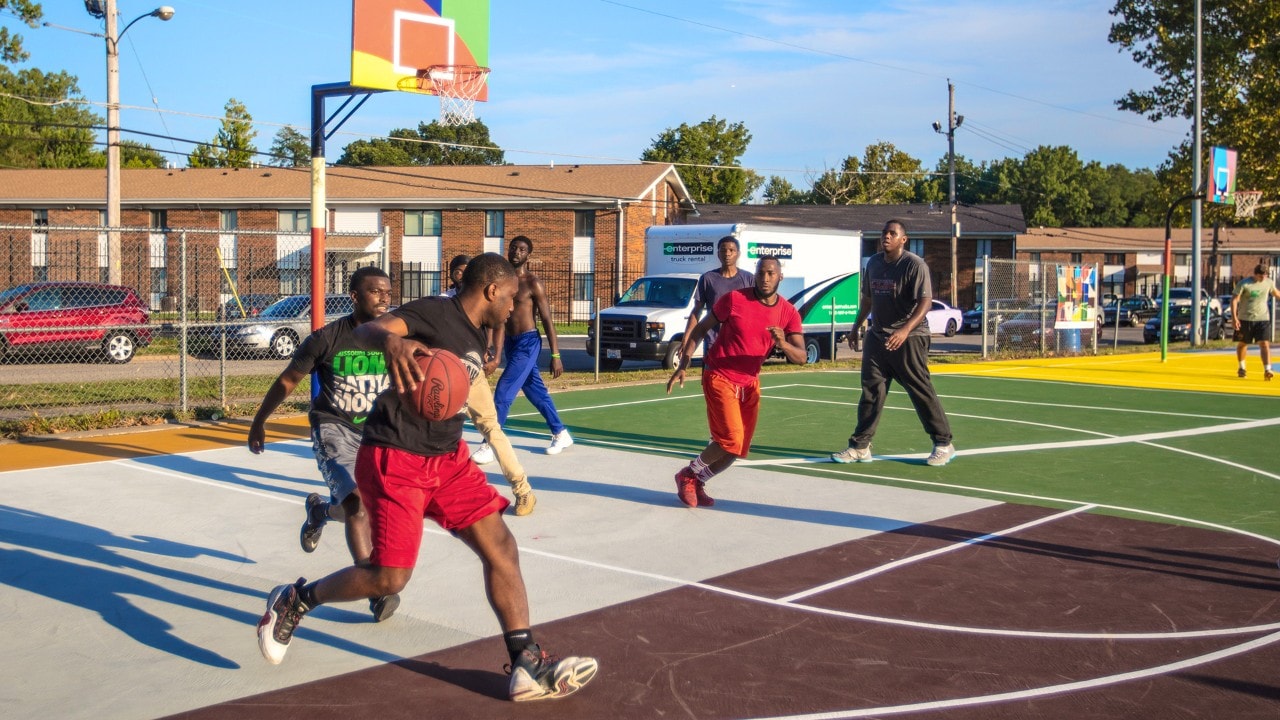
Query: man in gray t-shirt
[1251, 319]
[716, 283]
[896, 292]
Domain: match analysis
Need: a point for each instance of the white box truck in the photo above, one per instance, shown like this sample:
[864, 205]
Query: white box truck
[819, 268]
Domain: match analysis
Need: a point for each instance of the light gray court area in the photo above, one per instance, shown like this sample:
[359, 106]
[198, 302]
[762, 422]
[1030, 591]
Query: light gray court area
[131, 588]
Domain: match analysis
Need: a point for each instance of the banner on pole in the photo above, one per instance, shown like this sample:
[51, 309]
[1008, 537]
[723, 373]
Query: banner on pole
[1222, 180]
[1077, 289]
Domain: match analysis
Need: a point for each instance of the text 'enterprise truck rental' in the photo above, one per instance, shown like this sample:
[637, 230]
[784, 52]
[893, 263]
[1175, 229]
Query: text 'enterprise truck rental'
[819, 269]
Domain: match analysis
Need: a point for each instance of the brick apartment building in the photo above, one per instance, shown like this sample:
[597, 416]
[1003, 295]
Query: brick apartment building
[251, 224]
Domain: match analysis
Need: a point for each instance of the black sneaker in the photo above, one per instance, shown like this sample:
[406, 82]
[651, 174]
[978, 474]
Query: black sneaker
[317, 516]
[535, 675]
[1241, 373]
[384, 607]
[284, 612]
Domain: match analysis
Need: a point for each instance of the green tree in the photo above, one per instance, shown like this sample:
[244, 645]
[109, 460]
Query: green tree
[39, 128]
[779, 191]
[1241, 90]
[884, 174]
[290, 148]
[707, 155]
[936, 187]
[431, 144]
[233, 145]
[27, 12]
[138, 155]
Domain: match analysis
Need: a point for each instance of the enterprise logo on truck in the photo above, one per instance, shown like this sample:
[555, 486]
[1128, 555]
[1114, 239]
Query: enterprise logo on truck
[756, 251]
[685, 249]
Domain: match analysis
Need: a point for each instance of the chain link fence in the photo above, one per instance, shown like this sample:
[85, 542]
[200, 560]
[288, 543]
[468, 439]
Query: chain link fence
[199, 320]
[1020, 311]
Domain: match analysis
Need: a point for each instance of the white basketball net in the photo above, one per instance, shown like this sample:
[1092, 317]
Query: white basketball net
[1247, 202]
[457, 86]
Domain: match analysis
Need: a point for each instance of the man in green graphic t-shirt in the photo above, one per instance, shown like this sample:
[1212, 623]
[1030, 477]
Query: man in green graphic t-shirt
[350, 379]
[1251, 318]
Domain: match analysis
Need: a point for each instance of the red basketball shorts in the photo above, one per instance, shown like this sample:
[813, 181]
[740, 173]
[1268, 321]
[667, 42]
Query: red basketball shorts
[731, 412]
[400, 488]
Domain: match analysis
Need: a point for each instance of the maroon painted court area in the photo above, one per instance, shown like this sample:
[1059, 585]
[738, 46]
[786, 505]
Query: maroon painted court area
[730, 649]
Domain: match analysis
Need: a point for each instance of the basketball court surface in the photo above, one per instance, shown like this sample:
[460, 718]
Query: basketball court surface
[134, 567]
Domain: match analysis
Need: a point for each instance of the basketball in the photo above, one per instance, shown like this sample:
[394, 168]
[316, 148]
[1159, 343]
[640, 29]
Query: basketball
[443, 389]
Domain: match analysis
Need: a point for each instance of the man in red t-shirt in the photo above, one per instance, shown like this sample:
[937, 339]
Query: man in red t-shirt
[753, 322]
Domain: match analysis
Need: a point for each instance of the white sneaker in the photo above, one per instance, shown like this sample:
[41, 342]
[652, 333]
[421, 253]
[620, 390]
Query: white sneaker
[941, 455]
[852, 454]
[483, 454]
[559, 442]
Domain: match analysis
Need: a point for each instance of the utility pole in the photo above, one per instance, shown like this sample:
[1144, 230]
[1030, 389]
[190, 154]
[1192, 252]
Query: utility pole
[1198, 322]
[953, 121]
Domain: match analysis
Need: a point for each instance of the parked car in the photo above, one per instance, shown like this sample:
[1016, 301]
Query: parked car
[276, 330]
[1180, 296]
[52, 319]
[944, 319]
[971, 321]
[1180, 325]
[253, 304]
[1134, 310]
[1225, 301]
[1023, 328]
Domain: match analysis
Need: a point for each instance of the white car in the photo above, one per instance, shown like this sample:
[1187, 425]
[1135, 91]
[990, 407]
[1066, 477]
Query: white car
[944, 319]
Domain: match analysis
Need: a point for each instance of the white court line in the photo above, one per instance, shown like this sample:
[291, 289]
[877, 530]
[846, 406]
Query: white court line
[998, 632]
[201, 481]
[933, 553]
[1043, 691]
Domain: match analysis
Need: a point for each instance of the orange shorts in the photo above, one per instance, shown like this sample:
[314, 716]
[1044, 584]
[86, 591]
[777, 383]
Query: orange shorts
[400, 488]
[731, 412]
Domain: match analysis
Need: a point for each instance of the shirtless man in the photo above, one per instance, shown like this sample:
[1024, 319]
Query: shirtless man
[520, 341]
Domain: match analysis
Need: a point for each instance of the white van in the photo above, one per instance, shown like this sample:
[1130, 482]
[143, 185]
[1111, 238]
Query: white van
[820, 274]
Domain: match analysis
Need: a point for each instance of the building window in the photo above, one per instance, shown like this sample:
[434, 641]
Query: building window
[293, 220]
[1115, 258]
[40, 218]
[422, 223]
[228, 220]
[1077, 258]
[495, 223]
[584, 223]
[159, 219]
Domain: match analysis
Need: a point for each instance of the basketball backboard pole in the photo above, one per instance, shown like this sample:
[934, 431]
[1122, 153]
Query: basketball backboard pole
[320, 132]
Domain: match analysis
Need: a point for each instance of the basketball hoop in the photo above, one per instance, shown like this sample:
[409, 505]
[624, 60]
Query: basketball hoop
[457, 86]
[1247, 202]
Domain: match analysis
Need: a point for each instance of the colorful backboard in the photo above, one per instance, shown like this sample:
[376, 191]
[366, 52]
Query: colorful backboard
[1222, 178]
[393, 40]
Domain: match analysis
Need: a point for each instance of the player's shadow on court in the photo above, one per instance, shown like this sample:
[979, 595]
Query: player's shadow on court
[663, 498]
[480, 682]
[96, 577]
[246, 475]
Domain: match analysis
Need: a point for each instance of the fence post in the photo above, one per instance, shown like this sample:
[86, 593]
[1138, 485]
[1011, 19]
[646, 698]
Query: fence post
[182, 322]
[595, 319]
[833, 329]
[986, 301]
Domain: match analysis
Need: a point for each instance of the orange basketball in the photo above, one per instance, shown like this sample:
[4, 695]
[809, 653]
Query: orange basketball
[442, 392]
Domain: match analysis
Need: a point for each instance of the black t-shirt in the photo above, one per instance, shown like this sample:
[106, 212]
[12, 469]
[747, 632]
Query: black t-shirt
[894, 289]
[350, 378]
[436, 322]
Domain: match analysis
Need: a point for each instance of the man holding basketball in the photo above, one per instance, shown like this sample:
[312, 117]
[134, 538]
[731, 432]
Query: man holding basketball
[753, 323]
[350, 379]
[896, 292]
[520, 341]
[409, 468]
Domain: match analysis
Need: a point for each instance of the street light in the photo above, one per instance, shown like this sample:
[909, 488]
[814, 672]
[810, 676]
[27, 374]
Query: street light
[108, 9]
[953, 121]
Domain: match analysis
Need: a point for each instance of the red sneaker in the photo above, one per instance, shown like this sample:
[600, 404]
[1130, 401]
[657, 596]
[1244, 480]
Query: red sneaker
[704, 500]
[687, 487]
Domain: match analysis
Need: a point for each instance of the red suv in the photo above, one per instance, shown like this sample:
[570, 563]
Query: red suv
[50, 319]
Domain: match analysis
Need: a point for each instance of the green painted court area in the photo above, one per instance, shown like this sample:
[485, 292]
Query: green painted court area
[1158, 455]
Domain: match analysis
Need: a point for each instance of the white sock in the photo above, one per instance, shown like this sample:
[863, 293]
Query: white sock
[1242, 365]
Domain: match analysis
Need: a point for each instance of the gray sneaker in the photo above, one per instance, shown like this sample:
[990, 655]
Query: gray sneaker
[535, 675]
[941, 455]
[852, 455]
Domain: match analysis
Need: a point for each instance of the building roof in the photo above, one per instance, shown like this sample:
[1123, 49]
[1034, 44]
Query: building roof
[921, 219]
[1119, 240]
[488, 185]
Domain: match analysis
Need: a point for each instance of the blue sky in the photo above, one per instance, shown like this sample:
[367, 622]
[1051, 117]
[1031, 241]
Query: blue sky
[596, 80]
